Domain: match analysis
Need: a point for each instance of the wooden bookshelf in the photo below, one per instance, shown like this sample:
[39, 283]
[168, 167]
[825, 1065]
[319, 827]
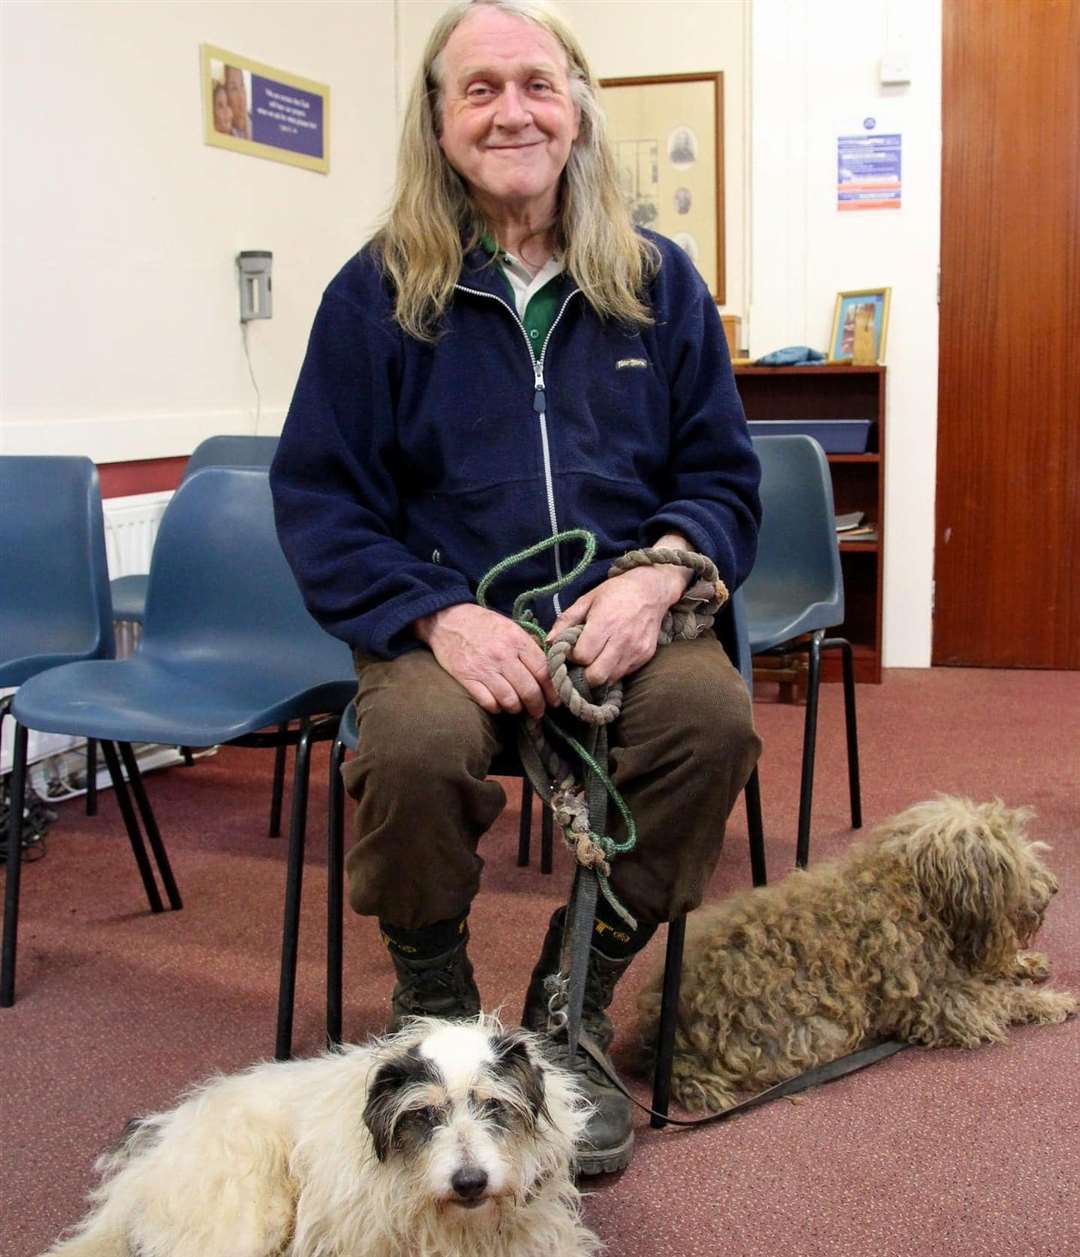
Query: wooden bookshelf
[821, 394]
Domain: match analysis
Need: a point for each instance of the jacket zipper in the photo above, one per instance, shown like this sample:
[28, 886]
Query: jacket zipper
[539, 408]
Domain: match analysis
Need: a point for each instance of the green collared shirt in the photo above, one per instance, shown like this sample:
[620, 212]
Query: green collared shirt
[543, 304]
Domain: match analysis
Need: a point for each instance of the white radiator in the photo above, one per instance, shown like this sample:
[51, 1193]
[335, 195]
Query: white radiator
[131, 524]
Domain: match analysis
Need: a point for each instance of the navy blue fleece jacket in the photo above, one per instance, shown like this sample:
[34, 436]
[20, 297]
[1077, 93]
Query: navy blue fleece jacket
[406, 470]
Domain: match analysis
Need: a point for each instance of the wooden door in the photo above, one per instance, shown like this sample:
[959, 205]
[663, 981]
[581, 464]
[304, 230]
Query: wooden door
[1007, 555]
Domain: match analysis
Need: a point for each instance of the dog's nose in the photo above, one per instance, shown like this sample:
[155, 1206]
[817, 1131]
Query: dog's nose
[469, 1182]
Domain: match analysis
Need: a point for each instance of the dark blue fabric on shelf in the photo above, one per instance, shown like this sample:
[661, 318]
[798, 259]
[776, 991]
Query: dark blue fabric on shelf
[792, 356]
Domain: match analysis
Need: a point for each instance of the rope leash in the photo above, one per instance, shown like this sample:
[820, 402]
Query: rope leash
[580, 807]
[551, 774]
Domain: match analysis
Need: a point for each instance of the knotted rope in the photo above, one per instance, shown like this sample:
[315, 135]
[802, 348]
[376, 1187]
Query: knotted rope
[552, 776]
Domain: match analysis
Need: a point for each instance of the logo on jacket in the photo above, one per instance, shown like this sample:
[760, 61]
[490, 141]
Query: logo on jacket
[625, 363]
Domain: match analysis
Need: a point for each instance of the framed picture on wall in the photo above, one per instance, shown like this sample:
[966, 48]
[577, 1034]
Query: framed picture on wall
[860, 325]
[254, 109]
[667, 131]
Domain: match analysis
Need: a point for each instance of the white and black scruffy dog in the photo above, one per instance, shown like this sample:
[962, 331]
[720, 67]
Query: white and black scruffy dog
[916, 935]
[447, 1138]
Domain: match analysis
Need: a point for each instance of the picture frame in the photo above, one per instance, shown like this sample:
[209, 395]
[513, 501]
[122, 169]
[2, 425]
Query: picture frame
[860, 326]
[261, 111]
[667, 133]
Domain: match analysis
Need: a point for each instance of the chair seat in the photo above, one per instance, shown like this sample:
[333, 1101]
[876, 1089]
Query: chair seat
[142, 700]
[773, 623]
[21, 668]
[129, 597]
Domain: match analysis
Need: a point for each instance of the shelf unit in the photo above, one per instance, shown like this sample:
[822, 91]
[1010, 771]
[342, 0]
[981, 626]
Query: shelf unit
[820, 394]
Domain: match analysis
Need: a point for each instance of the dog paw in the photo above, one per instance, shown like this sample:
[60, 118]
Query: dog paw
[1032, 966]
[1056, 1006]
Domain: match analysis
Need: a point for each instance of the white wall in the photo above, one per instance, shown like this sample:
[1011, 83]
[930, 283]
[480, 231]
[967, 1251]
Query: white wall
[815, 71]
[121, 336]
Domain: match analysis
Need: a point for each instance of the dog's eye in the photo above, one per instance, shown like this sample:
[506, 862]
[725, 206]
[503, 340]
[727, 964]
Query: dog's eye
[493, 1110]
[426, 1116]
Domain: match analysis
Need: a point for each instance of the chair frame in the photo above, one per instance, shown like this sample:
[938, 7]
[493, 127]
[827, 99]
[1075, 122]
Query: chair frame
[806, 631]
[814, 644]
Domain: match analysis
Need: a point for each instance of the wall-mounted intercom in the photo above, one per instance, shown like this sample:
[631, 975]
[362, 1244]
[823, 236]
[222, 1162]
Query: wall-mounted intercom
[253, 266]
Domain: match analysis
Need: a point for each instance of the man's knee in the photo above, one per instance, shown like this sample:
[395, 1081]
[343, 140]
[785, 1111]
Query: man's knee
[719, 723]
[416, 723]
[702, 701]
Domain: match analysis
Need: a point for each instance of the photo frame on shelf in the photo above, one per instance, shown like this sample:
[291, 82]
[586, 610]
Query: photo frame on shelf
[667, 132]
[860, 325]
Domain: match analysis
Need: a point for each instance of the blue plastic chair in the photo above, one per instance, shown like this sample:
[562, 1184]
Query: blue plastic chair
[129, 592]
[732, 630]
[54, 599]
[796, 591]
[228, 650]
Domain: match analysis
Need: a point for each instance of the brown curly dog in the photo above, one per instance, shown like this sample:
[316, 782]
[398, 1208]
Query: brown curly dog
[915, 935]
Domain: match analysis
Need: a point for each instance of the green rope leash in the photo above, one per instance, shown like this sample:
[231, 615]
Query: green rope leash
[522, 614]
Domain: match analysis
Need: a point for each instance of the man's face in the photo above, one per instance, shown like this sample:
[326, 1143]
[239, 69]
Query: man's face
[508, 120]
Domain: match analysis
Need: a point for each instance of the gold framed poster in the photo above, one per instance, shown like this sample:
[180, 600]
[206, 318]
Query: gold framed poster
[667, 131]
[252, 108]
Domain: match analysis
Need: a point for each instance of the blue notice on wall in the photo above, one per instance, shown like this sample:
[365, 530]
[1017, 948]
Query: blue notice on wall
[286, 117]
[868, 172]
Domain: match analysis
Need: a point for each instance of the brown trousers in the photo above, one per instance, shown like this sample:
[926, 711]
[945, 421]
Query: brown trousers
[681, 752]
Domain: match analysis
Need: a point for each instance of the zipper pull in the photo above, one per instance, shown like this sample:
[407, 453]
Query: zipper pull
[539, 397]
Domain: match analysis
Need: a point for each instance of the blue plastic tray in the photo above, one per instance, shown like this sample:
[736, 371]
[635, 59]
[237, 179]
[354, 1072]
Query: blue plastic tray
[836, 436]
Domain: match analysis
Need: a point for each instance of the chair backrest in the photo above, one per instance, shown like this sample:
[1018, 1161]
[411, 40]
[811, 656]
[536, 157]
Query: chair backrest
[798, 559]
[54, 578]
[219, 583]
[231, 451]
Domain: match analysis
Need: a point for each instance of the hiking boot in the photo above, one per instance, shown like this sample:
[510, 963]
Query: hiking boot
[438, 986]
[608, 1142]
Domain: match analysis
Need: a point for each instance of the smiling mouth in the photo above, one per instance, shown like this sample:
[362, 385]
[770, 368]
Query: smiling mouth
[477, 1202]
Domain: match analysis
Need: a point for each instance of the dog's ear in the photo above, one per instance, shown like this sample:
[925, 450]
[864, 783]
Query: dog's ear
[515, 1061]
[970, 881]
[381, 1109]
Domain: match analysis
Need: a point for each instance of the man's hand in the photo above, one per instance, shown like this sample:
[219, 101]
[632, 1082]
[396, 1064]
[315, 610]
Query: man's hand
[498, 663]
[622, 617]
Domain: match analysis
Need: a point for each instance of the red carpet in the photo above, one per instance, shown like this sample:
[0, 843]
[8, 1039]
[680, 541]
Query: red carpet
[970, 1154]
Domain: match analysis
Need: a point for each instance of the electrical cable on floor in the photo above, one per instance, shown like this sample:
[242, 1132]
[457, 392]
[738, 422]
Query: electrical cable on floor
[37, 818]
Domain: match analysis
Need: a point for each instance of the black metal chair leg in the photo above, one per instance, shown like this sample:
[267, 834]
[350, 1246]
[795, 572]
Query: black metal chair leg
[310, 733]
[138, 847]
[91, 776]
[294, 883]
[150, 825]
[806, 787]
[756, 828]
[278, 791]
[16, 802]
[848, 658]
[525, 823]
[335, 893]
[669, 1017]
[546, 862]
